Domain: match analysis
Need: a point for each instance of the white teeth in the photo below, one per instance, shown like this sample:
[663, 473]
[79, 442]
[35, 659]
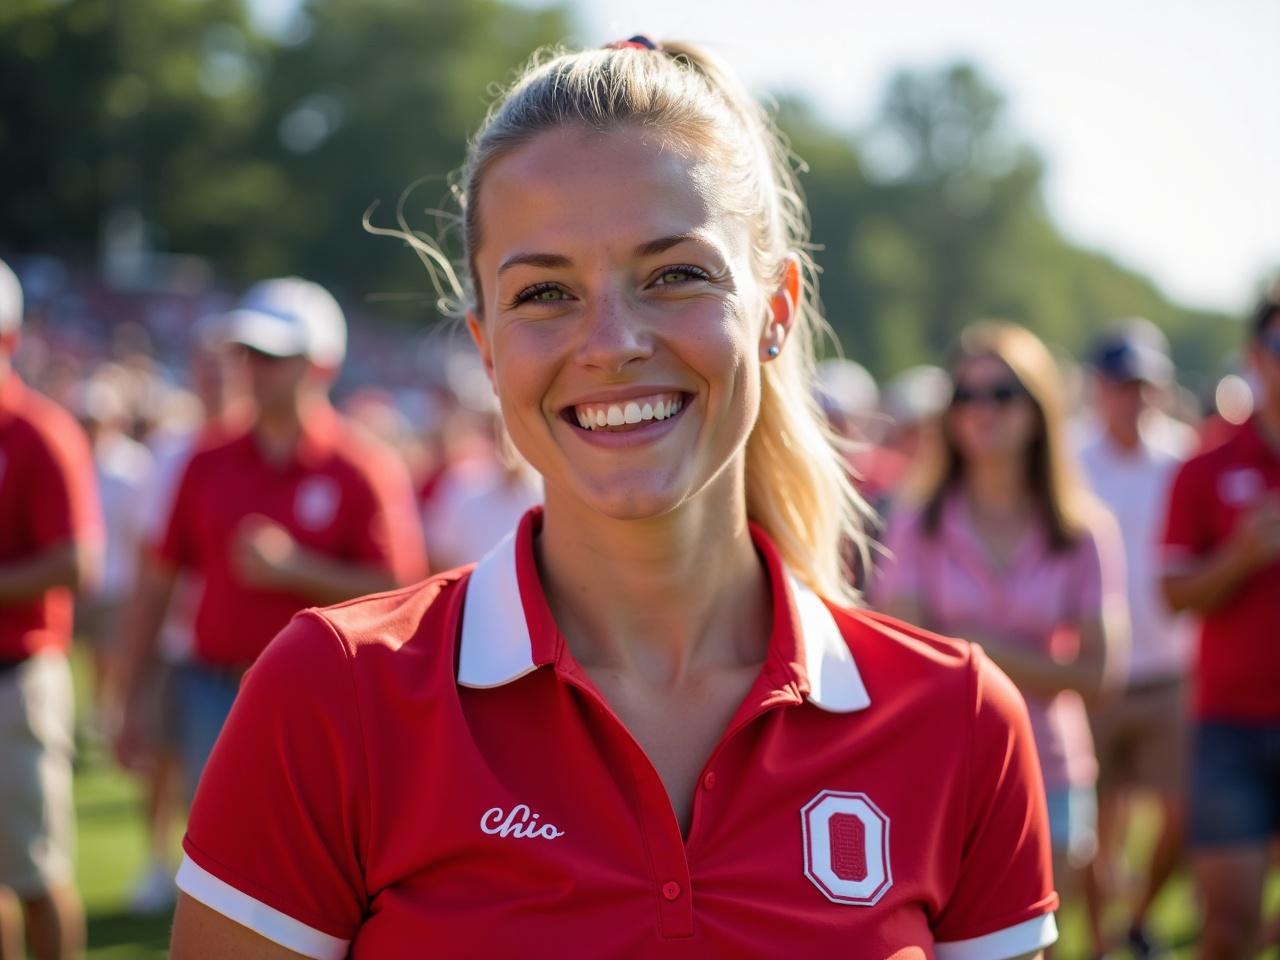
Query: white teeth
[630, 412]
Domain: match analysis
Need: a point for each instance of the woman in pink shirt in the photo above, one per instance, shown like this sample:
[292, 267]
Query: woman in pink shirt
[997, 542]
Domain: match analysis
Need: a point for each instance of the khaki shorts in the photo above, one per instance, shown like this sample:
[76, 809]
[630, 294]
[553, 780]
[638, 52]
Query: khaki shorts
[1142, 737]
[36, 746]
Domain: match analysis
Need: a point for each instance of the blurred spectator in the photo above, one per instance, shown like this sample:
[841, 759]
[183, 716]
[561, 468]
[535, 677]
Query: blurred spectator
[913, 404]
[298, 510]
[1130, 453]
[478, 503]
[123, 468]
[998, 543]
[217, 376]
[485, 486]
[1222, 560]
[50, 544]
[850, 400]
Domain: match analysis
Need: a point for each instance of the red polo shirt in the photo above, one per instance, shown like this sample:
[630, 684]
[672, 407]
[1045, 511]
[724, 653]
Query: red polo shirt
[429, 771]
[343, 495]
[1238, 675]
[48, 497]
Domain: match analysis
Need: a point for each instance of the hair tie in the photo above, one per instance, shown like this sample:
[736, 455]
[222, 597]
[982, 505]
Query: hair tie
[638, 42]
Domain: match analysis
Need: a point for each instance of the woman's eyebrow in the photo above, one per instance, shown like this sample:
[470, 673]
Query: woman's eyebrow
[545, 260]
[557, 260]
[662, 244]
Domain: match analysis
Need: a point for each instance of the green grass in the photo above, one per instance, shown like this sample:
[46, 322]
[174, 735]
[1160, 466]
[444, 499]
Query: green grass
[112, 850]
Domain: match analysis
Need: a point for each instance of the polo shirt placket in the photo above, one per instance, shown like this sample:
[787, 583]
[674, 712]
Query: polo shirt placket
[779, 685]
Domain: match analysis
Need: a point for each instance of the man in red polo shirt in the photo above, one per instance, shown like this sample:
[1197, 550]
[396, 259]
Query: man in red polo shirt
[50, 544]
[1222, 560]
[298, 510]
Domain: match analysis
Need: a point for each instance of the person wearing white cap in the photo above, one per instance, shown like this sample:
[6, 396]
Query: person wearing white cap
[297, 510]
[50, 545]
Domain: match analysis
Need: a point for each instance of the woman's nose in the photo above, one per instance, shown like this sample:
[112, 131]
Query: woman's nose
[613, 335]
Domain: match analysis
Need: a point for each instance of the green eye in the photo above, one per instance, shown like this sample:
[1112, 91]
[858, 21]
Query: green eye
[681, 274]
[541, 293]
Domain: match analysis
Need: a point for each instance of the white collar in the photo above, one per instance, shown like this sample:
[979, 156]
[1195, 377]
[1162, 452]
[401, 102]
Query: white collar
[496, 647]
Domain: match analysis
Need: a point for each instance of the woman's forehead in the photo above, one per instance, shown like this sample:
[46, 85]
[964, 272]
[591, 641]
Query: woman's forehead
[572, 189]
[985, 366]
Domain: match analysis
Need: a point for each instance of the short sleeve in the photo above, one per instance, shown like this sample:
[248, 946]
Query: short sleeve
[389, 531]
[1187, 534]
[1002, 901]
[63, 503]
[898, 574]
[275, 840]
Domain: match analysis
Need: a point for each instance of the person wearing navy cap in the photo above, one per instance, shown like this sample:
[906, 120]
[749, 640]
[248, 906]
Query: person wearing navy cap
[1129, 456]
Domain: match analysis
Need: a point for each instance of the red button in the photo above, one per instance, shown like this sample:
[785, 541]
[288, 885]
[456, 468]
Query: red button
[709, 781]
[671, 890]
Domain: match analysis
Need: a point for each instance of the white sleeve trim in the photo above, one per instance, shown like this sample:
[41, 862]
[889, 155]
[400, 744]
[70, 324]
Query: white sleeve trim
[277, 927]
[1026, 937]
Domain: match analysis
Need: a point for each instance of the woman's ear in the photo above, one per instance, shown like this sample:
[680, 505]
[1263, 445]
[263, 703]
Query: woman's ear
[783, 304]
[475, 326]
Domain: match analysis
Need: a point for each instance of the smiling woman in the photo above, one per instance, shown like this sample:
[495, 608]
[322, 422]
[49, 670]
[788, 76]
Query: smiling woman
[653, 722]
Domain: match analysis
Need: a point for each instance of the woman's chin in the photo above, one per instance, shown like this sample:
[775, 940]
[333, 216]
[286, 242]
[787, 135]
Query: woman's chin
[631, 500]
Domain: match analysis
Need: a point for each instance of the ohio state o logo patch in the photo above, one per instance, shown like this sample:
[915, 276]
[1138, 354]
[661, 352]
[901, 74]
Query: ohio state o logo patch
[846, 847]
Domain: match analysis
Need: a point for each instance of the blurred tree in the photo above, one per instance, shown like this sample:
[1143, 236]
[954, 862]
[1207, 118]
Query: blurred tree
[380, 94]
[179, 126]
[936, 218]
[109, 106]
[260, 153]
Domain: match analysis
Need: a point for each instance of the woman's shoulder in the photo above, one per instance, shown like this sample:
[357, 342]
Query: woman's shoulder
[879, 636]
[900, 661]
[399, 632]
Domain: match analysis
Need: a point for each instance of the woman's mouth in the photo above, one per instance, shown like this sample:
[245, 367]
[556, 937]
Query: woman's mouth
[626, 415]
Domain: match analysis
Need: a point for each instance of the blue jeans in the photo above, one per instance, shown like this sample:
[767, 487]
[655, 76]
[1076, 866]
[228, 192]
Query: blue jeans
[1235, 784]
[204, 701]
[1073, 823]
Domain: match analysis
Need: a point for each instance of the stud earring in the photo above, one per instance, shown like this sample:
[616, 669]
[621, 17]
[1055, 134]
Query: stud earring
[773, 350]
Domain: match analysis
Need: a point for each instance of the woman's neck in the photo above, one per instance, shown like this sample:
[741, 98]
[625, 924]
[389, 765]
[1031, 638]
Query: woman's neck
[996, 487]
[279, 431]
[656, 599]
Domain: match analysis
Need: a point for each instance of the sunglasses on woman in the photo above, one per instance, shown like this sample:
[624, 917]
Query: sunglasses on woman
[1000, 394]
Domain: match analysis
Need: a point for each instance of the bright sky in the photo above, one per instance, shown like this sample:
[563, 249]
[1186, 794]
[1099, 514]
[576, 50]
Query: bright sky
[1159, 119]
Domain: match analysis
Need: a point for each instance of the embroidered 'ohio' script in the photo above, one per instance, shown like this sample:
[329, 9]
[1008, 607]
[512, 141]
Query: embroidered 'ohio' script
[520, 822]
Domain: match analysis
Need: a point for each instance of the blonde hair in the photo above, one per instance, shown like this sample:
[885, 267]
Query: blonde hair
[1051, 476]
[798, 488]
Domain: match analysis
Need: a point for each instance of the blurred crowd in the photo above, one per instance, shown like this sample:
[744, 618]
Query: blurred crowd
[254, 455]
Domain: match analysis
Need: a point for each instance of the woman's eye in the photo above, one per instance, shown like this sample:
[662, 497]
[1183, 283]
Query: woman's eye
[673, 275]
[541, 293]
